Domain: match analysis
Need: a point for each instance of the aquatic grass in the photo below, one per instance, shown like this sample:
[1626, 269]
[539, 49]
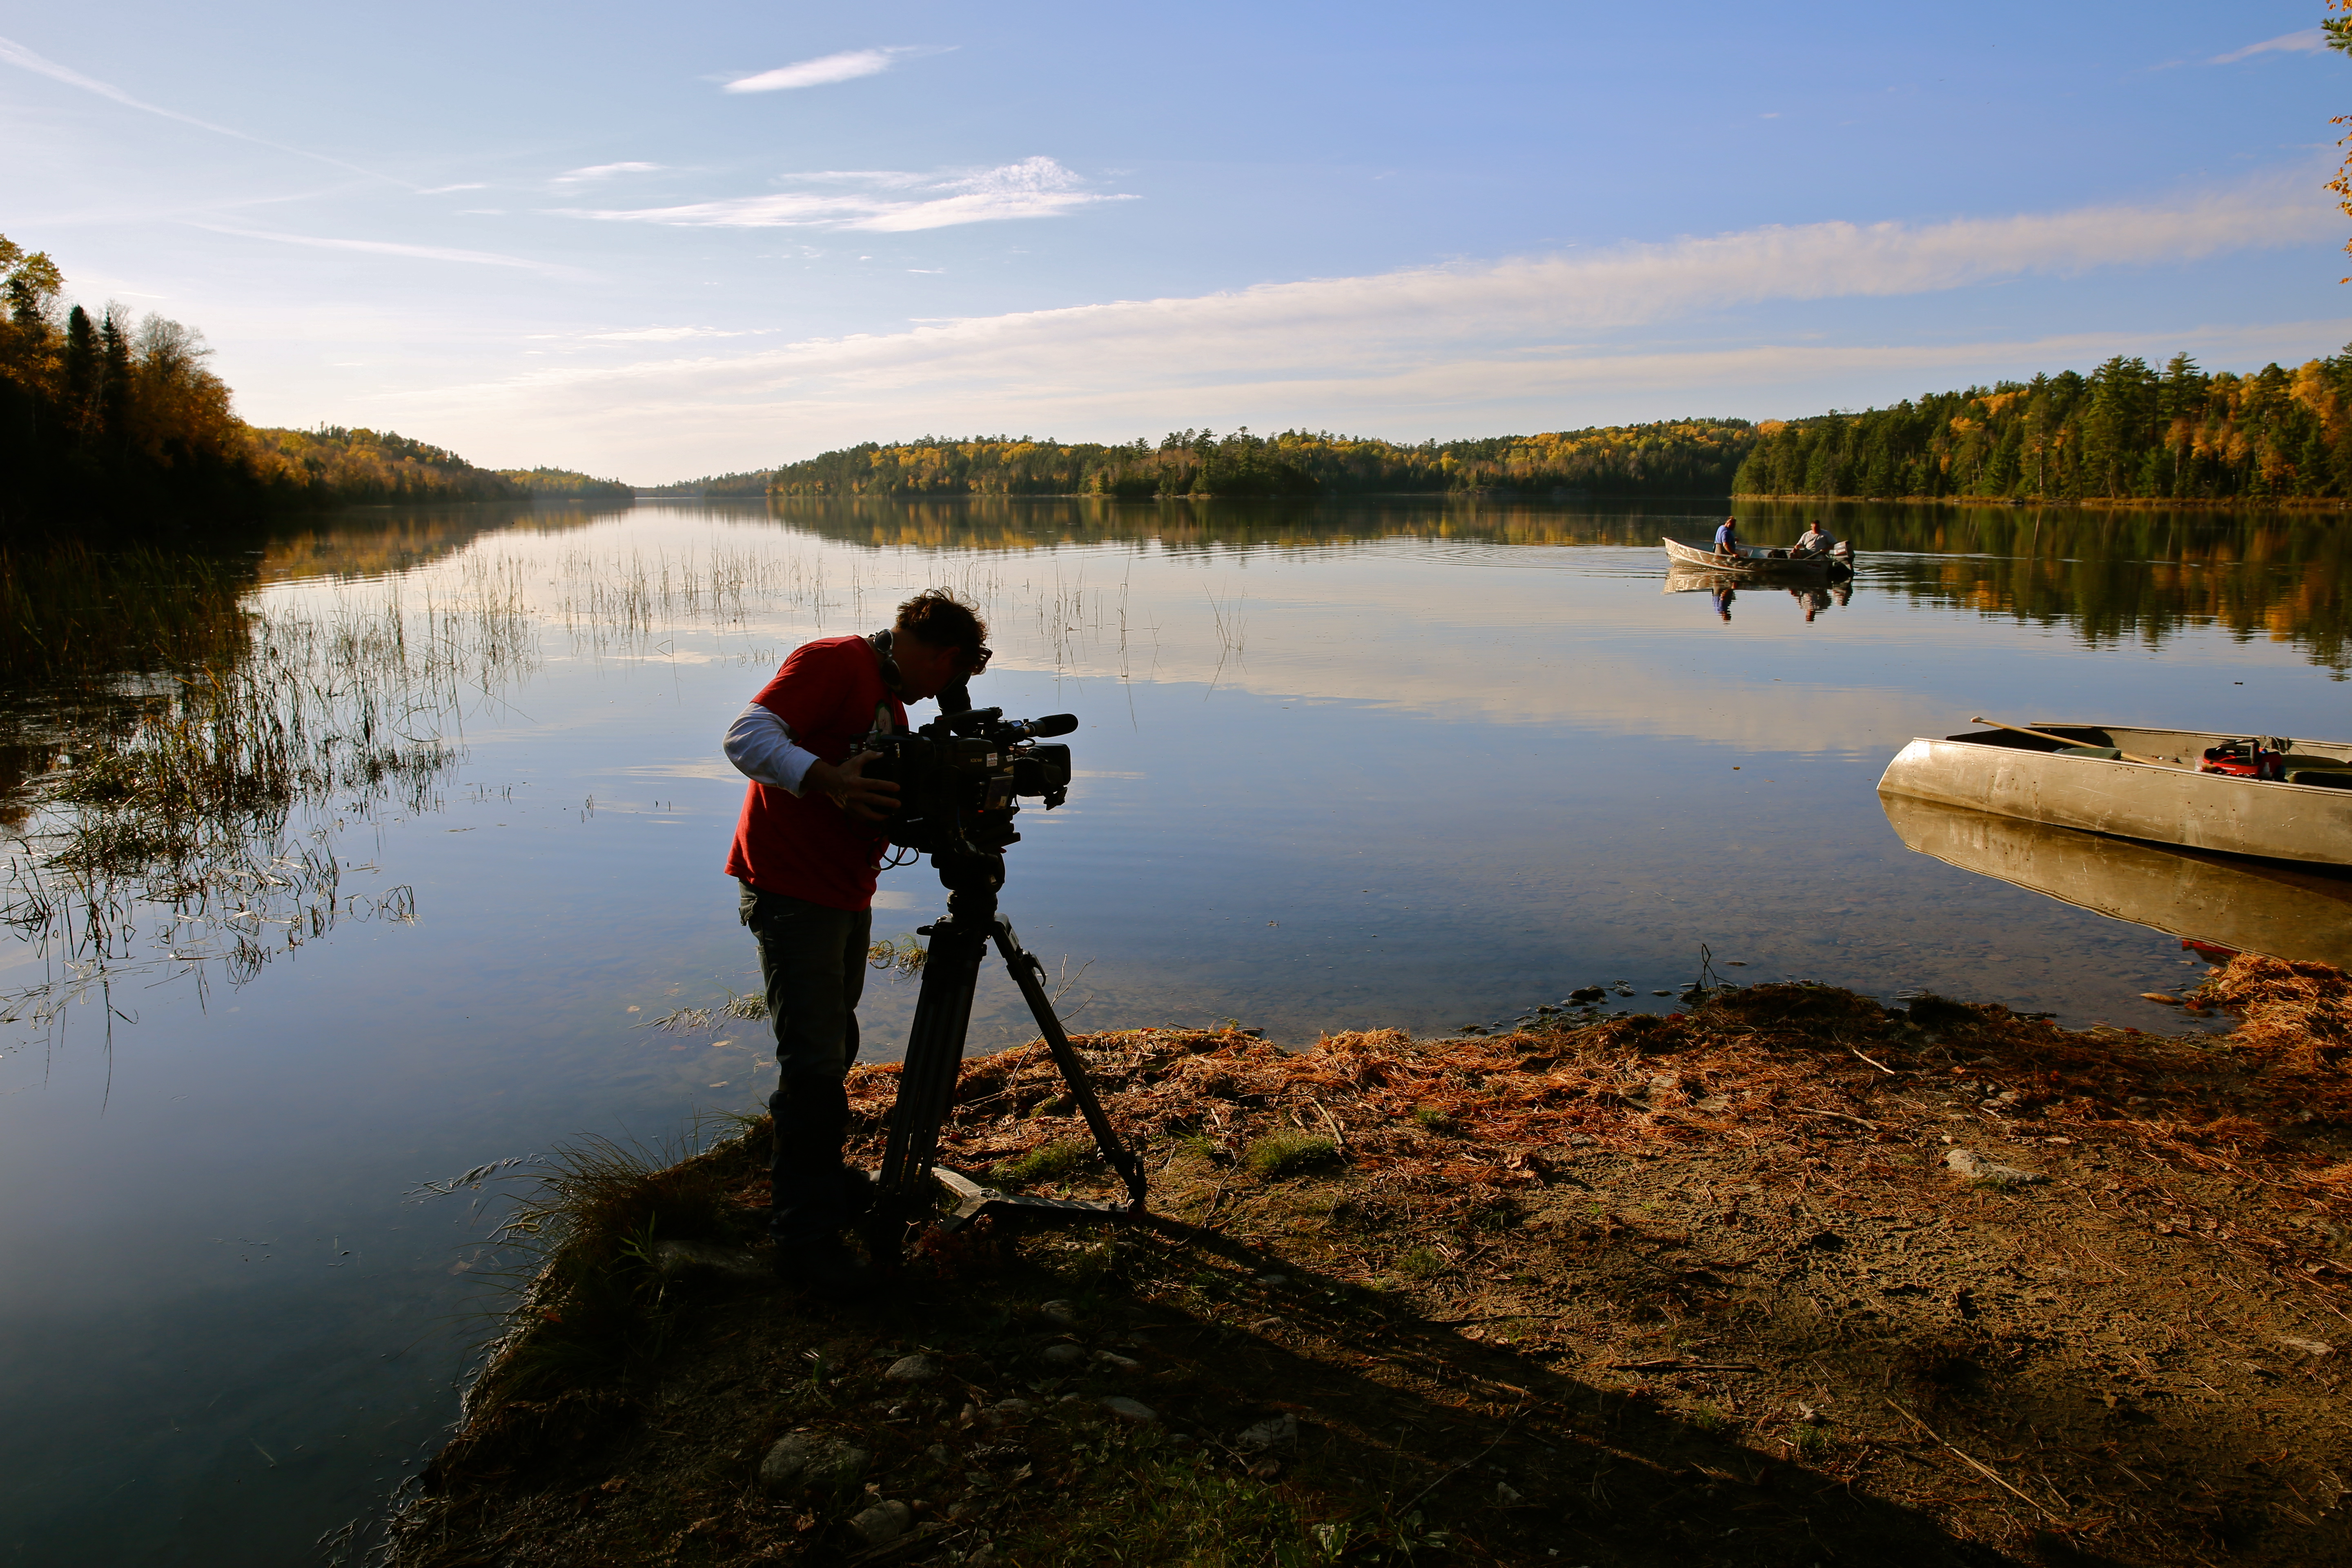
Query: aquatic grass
[189, 818]
[587, 1227]
[74, 612]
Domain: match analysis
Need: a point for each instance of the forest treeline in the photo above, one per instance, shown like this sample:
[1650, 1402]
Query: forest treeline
[1682, 456]
[113, 428]
[2127, 431]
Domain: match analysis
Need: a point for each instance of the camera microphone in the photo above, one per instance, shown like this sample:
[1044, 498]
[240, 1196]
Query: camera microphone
[1051, 724]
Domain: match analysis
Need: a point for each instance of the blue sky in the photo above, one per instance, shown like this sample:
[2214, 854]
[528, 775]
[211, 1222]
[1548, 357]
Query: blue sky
[659, 243]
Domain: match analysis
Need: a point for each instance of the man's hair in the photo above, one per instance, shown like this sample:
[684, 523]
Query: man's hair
[943, 620]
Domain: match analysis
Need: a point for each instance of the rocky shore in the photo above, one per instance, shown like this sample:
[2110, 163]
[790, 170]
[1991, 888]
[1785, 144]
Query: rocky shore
[1786, 1277]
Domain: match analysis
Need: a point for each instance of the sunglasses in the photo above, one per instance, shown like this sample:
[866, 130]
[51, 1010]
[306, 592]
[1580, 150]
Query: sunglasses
[977, 658]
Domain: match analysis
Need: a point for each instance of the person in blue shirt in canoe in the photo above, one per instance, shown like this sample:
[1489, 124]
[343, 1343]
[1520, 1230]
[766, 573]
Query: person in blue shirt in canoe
[1727, 537]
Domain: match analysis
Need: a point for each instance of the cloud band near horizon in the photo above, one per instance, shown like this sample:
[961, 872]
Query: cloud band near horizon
[1421, 342]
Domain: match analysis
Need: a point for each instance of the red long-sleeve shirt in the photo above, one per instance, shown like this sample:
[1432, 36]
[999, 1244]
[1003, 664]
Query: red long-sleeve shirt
[829, 694]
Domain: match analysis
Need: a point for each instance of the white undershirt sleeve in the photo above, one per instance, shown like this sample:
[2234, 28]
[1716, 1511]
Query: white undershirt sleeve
[760, 745]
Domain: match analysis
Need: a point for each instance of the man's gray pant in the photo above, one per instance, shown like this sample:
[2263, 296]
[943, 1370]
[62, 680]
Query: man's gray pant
[813, 962]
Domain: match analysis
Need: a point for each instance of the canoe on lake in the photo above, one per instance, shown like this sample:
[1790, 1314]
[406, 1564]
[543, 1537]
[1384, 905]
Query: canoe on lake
[1756, 561]
[2222, 900]
[2305, 817]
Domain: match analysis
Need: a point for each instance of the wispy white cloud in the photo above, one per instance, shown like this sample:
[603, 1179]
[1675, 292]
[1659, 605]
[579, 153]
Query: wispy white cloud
[393, 248]
[1034, 187]
[595, 172]
[2311, 40]
[826, 70]
[1438, 348]
[16, 54]
[445, 190]
[666, 334]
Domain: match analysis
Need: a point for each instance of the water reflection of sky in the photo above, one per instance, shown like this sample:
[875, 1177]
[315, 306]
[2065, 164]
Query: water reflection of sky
[1403, 766]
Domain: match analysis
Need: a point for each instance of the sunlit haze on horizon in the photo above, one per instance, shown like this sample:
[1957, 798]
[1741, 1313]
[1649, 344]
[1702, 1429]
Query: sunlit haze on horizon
[659, 244]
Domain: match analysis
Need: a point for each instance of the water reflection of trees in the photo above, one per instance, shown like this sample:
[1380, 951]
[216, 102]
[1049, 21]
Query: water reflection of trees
[381, 544]
[2110, 575]
[1013, 524]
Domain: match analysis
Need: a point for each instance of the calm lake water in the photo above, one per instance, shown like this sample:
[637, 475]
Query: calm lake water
[1423, 763]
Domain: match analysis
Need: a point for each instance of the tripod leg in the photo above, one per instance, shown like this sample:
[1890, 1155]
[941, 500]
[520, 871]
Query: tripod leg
[1030, 975]
[926, 1082]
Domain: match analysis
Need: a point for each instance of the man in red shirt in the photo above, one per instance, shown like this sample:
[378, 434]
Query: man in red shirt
[807, 849]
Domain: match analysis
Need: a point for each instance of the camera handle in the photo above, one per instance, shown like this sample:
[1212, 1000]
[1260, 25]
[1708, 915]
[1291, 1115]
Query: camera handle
[935, 1053]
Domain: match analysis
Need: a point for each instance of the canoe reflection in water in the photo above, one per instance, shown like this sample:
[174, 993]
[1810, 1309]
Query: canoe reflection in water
[2285, 910]
[1724, 589]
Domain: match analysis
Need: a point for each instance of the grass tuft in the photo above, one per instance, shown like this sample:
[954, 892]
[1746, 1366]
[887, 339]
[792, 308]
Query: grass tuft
[1284, 1152]
[1045, 1163]
[1421, 1263]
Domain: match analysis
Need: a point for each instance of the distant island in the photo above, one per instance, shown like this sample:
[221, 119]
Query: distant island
[2125, 432]
[1681, 456]
[750, 485]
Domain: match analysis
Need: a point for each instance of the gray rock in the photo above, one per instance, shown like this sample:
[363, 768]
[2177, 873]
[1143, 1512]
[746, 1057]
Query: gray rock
[803, 1459]
[883, 1521]
[675, 1257]
[1504, 1496]
[1130, 1410]
[1969, 1165]
[913, 1369]
[1116, 1361]
[1276, 1432]
[1009, 1409]
[1064, 1355]
[1062, 1314]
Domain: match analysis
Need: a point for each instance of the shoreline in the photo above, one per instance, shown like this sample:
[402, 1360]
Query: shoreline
[2086, 503]
[1787, 1272]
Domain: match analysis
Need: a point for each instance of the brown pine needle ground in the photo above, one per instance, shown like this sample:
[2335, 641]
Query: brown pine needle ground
[1689, 1290]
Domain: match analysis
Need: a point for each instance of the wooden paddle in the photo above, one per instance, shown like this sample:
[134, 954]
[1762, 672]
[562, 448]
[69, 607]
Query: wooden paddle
[2046, 735]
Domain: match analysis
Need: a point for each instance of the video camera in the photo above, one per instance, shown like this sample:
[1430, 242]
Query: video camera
[960, 777]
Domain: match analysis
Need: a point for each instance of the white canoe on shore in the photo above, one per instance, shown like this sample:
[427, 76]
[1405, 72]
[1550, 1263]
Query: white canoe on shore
[1755, 561]
[2308, 816]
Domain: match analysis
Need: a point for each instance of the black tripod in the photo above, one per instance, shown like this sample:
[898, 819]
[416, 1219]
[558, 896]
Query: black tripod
[934, 1050]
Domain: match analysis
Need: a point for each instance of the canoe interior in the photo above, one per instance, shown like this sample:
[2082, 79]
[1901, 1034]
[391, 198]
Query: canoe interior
[1756, 558]
[2179, 749]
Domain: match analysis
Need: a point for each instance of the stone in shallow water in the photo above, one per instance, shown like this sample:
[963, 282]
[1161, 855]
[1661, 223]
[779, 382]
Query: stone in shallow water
[913, 1369]
[1061, 1314]
[1130, 1409]
[1064, 1355]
